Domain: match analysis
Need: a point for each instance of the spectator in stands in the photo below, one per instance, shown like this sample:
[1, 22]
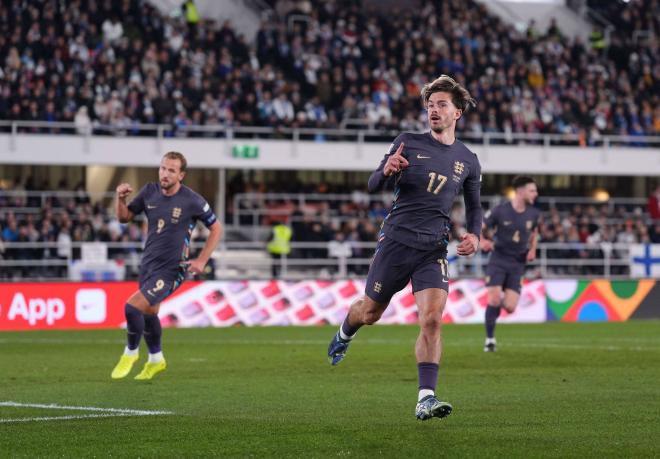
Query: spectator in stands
[82, 121]
[192, 17]
[653, 205]
[340, 250]
[317, 234]
[654, 234]
[112, 30]
[10, 232]
[628, 235]
[64, 242]
[279, 246]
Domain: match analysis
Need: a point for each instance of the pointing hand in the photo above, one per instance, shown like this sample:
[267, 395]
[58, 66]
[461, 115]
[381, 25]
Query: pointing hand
[396, 162]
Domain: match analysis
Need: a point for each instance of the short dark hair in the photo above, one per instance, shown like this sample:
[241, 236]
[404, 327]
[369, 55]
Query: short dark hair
[179, 156]
[520, 181]
[460, 96]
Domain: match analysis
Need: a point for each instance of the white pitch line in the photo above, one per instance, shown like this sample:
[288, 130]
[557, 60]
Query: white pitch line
[54, 406]
[63, 418]
[100, 412]
[60, 341]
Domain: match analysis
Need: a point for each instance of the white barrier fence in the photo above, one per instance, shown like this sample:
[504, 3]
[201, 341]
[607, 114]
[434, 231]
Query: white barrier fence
[241, 260]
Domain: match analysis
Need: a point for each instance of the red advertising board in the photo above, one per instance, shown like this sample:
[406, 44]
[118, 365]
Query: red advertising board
[57, 306]
[228, 303]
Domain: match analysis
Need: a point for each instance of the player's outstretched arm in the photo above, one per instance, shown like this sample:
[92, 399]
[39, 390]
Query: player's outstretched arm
[121, 209]
[197, 265]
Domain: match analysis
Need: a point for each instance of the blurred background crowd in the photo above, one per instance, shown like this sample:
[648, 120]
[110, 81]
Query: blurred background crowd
[120, 63]
[347, 222]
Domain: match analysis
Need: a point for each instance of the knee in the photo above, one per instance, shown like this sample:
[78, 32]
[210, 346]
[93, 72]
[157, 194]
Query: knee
[370, 317]
[367, 311]
[494, 298]
[510, 306]
[431, 323]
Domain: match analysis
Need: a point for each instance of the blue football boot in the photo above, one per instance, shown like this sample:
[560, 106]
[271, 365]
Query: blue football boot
[337, 349]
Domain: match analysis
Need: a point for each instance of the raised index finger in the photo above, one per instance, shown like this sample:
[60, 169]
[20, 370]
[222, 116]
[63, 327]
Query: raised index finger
[399, 150]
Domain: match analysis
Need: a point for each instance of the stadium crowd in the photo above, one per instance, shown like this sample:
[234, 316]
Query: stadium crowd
[341, 223]
[118, 63]
[357, 220]
[26, 218]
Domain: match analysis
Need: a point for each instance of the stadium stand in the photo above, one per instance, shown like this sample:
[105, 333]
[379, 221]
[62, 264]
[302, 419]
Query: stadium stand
[321, 221]
[120, 63]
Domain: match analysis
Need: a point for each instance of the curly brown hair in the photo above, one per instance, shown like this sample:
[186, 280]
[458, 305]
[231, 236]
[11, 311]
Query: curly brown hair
[460, 96]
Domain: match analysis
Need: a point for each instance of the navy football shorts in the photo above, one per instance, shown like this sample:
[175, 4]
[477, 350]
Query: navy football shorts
[395, 264]
[506, 276]
[156, 285]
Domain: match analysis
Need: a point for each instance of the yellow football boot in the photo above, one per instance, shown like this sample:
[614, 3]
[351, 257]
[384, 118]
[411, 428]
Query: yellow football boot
[151, 369]
[124, 366]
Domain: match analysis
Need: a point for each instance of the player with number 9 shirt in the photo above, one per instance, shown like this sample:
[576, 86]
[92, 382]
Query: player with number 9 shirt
[172, 210]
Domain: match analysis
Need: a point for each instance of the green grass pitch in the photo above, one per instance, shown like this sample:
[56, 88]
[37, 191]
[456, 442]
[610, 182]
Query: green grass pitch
[551, 390]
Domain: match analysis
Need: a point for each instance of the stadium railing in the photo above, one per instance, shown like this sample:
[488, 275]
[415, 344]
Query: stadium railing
[250, 219]
[301, 199]
[250, 260]
[294, 135]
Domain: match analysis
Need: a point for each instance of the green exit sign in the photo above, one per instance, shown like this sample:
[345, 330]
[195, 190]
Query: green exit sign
[245, 151]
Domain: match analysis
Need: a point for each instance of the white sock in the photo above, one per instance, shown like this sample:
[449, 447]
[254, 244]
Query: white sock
[344, 336]
[131, 352]
[491, 341]
[156, 358]
[423, 393]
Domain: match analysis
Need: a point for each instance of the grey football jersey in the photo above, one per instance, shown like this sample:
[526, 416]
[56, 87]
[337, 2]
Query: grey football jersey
[425, 191]
[171, 220]
[513, 230]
